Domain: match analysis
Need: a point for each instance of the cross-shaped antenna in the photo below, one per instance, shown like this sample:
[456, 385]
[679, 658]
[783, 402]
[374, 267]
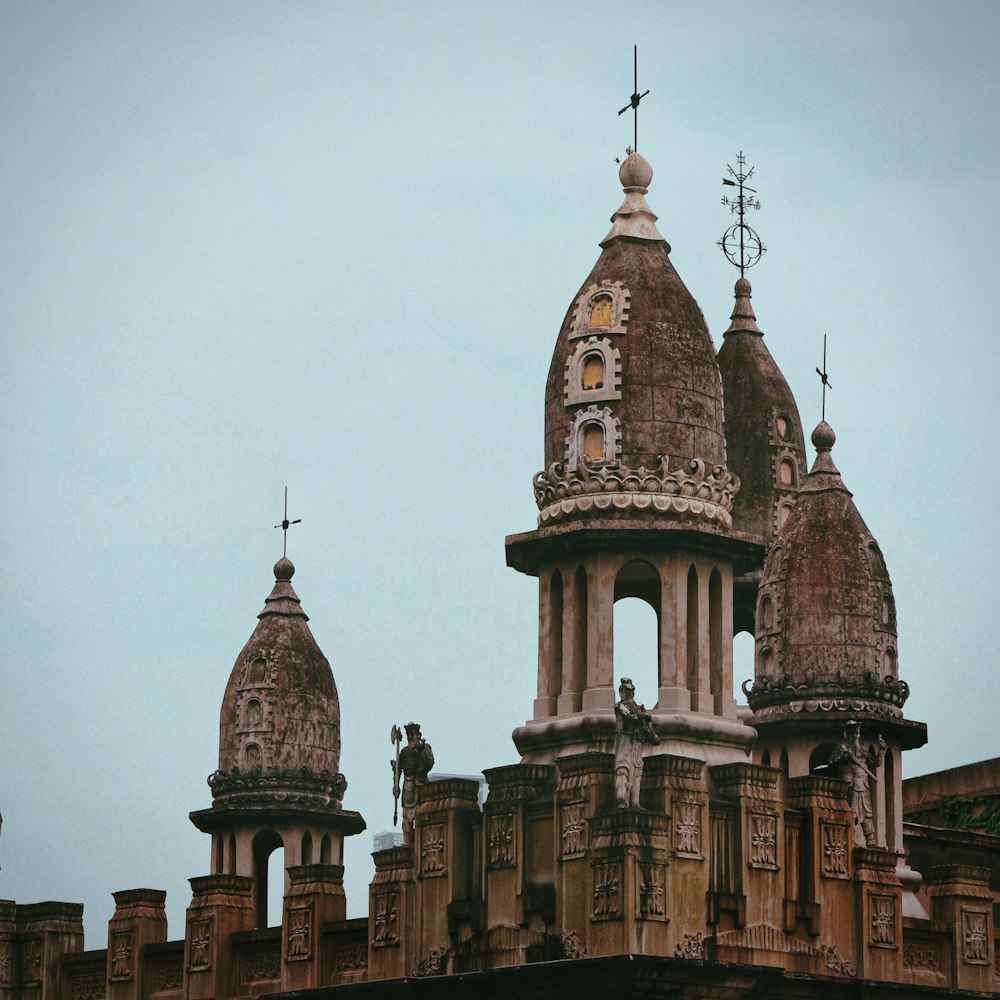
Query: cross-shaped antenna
[285, 525]
[741, 245]
[824, 378]
[635, 99]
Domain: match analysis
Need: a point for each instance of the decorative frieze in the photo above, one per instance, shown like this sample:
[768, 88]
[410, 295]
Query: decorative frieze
[841, 693]
[432, 852]
[574, 828]
[167, 977]
[687, 829]
[433, 964]
[261, 966]
[691, 946]
[200, 955]
[836, 962]
[763, 840]
[91, 987]
[351, 957]
[974, 937]
[607, 891]
[299, 943]
[650, 884]
[882, 922]
[922, 956]
[835, 847]
[501, 840]
[386, 919]
[121, 955]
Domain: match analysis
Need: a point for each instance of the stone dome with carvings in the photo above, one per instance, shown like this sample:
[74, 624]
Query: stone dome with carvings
[633, 401]
[826, 618]
[279, 731]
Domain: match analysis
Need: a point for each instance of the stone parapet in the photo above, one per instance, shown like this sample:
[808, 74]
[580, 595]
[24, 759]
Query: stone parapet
[139, 919]
[879, 912]
[47, 932]
[315, 896]
[221, 906]
[391, 914]
[961, 899]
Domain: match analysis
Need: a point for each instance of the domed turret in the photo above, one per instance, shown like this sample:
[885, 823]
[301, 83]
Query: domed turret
[764, 439]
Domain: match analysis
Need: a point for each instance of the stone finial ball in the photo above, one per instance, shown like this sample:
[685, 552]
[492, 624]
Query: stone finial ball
[743, 287]
[635, 171]
[283, 569]
[823, 437]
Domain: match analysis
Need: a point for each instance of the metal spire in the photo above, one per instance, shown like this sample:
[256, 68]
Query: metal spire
[824, 378]
[634, 100]
[285, 525]
[740, 244]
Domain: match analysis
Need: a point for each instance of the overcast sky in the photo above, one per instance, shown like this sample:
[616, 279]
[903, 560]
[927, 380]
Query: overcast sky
[246, 245]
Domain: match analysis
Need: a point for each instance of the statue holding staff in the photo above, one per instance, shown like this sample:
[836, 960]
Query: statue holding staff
[633, 729]
[412, 764]
[858, 766]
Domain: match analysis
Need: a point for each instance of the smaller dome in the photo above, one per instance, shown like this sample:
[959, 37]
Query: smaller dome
[283, 569]
[826, 635]
[635, 172]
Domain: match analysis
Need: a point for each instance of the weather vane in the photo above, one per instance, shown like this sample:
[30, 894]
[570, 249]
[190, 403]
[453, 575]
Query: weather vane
[285, 525]
[824, 378]
[634, 100]
[740, 244]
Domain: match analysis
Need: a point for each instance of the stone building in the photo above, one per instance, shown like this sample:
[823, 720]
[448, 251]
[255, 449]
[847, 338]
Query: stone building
[699, 848]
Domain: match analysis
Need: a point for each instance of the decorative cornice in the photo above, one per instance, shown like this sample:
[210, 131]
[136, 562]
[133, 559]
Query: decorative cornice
[867, 693]
[692, 492]
[298, 787]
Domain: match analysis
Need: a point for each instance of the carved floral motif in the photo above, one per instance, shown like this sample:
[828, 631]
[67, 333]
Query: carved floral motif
[433, 964]
[607, 891]
[201, 945]
[501, 840]
[259, 966]
[763, 840]
[432, 852]
[571, 945]
[882, 931]
[694, 492]
[573, 829]
[351, 957]
[688, 829]
[691, 946]
[299, 928]
[282, 786]
[650, 891]
[386, 905]
[31, 963]
[836, 962]
[842, 692]
[922, 956]
[974, 927]
[121, 955]
[834, 850]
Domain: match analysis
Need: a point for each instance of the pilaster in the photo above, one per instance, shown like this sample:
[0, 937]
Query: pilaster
[139, 919]
[960, 897]
[878, 898]
[48, 931]
[391, 926]
[315, 896]
[220, 906]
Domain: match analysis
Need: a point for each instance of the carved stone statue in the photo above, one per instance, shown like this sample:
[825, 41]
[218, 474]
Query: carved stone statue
[633, 729]
[858, 765]
[413, 763]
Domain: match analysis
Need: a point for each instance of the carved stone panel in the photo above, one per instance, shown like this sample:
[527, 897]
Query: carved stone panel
[882, 924]
[31, 963]
[200, 957]
[975, 950]
[691, 946]
[91, 987]
[386, 918]
[763, 840]
[351, 957]
[922, 956]
[650, 887]
[574, 830]
[168, 977]
[687, 829]
[607, 891]
[299, 944]
[261, 966]
[501, 840]
[834, 847]
[432, 852]
[6, 964]
[121, 956]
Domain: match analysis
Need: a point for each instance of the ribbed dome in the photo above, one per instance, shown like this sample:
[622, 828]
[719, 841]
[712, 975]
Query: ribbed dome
[826, 619]
[634, 384]
[764, 439]
[279, 730]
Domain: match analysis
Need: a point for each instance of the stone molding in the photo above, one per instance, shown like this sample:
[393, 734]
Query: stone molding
[692, 492]
[612, 436]
[621, 302]
[574, 394]
[868, 693]
[291, 787]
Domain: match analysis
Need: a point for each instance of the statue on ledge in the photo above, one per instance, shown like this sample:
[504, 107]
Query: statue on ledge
[413, 764]
[858, 766]
[633, 729]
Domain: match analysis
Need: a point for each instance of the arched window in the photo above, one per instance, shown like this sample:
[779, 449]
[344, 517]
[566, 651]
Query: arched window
[604, 307]
[781, 423]
[324, 850]
[743, 657]
[601, 311]
[886, 610]
[307, 848]
[636, 627]
[765, 757]
[253, 714]
[766, 616]
[257, 671]
[765, 662]
[889, 667]
[231, 866]
[580, 623]
[715, 650]
[692, 629]
[819, 759]
[219, 854]
[555, 635]
[592, 441]
[594, 436]
[593, 372]
[786, 472]
[269, 879]
[252, 757]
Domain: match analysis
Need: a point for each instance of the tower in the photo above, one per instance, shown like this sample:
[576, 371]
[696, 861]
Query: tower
[635, 501]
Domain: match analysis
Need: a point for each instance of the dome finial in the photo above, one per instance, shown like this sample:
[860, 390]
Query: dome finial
[634, 219]
[743, 318]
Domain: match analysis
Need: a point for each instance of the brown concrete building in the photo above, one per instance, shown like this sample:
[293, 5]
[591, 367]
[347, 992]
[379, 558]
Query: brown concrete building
[694, 849]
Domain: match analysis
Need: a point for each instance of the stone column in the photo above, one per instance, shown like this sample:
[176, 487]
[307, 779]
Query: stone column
[220, 906]
[674, 787]
[878, 914]
[574, 645]
[391, 925]
[315, 896]
[960, 897]
[760, 839]
[702, 699]
[827, 892]
[444, 857]
[600, 692]
[506, 843]
[139, 919]
[673, 694]
[545, 701]
[585, 786]
[48, 931]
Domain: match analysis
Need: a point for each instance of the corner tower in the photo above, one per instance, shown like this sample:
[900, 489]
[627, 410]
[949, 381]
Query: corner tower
[278, 783]
[635, 501]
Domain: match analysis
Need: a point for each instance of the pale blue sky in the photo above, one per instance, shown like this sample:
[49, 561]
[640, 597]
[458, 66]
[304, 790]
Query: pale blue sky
[330, 245]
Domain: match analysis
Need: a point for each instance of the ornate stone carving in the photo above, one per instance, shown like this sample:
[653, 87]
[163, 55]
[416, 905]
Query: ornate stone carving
[840, 693]
[691, 492]
[633, 730]
[763, 840]
[571, 945]
[607, 891]
[687, 829]
[169, 976]
[610, 442]
[412, 765]
[432, 850]
[200, 956]
[922, 956]
[501, 843]
[299, 944]
[31, 963]
[858, 765]
[834, 861]
[836, 962]
[576, 389]
[88, 987]
[6, 964]
[121, 955]
[253, 788]
[261, 966]
[386, 910]
[351, 957]
[691, 946]
[574, 828]
[585, 321]
[650, 894]
[882, 926]
[974, 939]
[433, 964]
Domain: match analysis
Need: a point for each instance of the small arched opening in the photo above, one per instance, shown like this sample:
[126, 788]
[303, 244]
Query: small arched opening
[555, 635]
[819, 761]
[716, 654]
[743, 669]
[231, 859]
[692, 630]
[636, 630]
[306, 851]
[268, 878]
[325, 850]
[580, 621]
